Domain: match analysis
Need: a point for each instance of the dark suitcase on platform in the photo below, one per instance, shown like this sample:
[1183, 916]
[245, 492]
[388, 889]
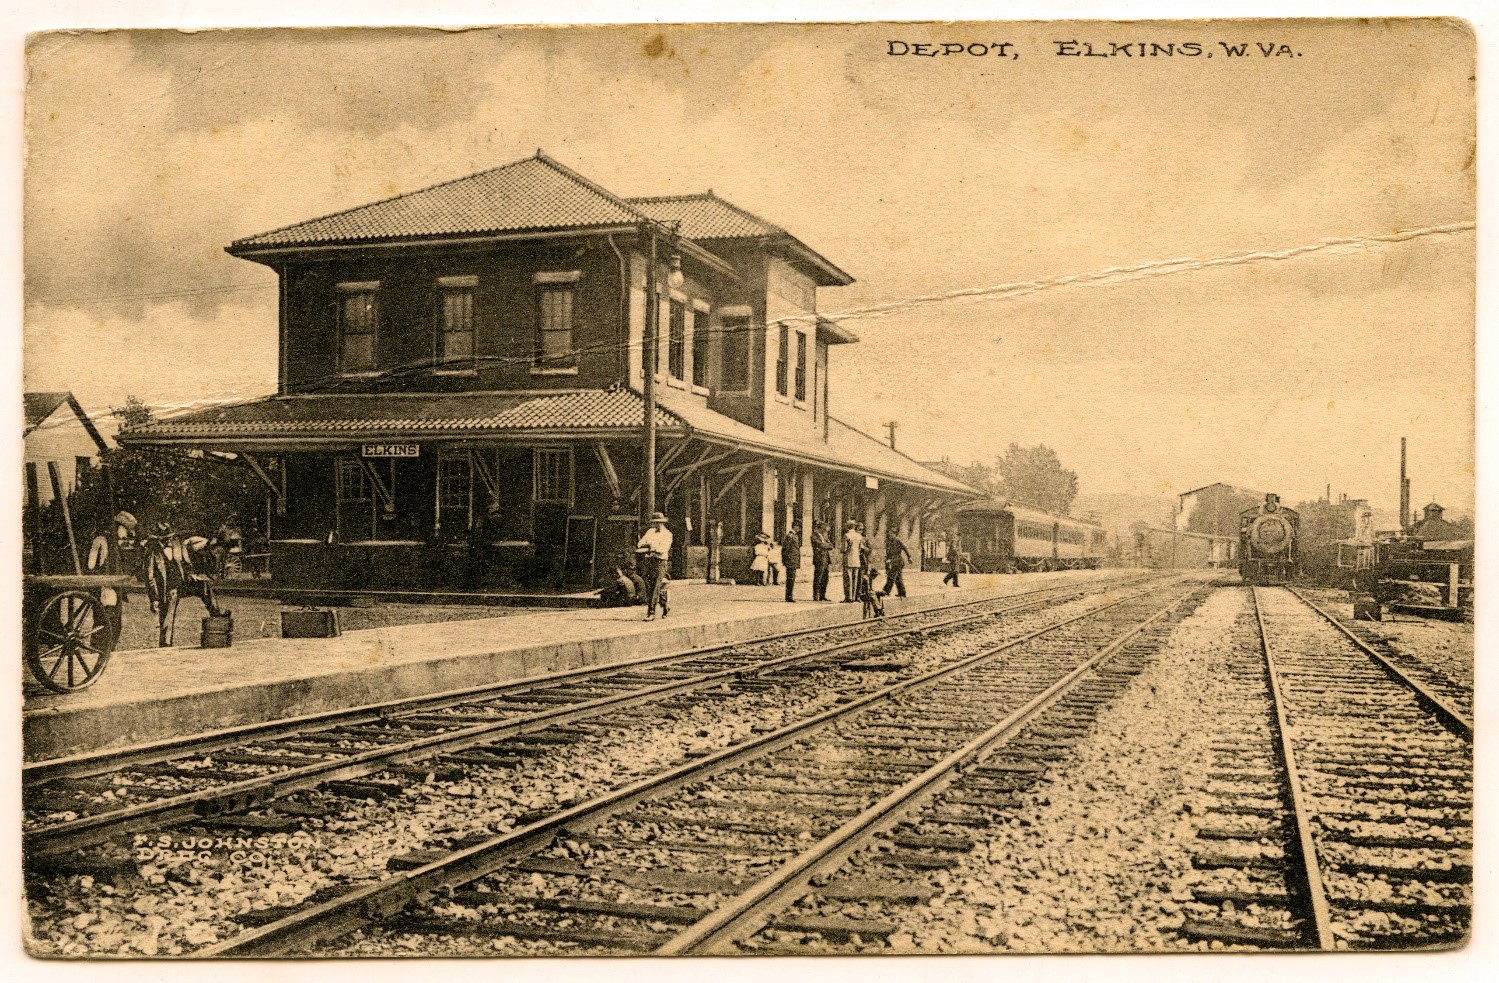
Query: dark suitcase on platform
[309, 623]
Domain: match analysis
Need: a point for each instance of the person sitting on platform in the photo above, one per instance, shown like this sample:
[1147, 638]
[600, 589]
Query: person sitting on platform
[626, 588]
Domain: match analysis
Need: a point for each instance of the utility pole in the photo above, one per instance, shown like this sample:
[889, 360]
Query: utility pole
[648, 387]
[890, 428]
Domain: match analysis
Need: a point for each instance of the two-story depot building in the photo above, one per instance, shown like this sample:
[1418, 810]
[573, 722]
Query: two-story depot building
[461, 403]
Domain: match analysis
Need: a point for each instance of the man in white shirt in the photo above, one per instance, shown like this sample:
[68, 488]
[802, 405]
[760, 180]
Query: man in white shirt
[853, 563]
[655, 552]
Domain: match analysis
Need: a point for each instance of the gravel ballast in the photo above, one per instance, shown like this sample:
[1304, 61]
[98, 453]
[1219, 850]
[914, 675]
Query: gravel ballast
[1100, 859]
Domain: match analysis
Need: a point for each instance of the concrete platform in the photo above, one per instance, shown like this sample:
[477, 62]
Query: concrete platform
[157, 694]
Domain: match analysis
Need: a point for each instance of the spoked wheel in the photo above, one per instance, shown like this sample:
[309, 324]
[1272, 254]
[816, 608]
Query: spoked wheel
[71, 641]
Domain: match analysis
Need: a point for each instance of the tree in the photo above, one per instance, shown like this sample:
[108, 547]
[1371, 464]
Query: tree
[135, 413]
[195, 493]
[1035, 476]
[978, 476]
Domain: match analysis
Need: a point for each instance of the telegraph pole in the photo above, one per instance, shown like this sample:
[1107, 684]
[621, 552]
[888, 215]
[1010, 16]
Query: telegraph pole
[890, 428]
[648, 371]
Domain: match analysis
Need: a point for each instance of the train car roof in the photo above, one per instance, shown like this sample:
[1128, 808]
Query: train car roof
[997, 505]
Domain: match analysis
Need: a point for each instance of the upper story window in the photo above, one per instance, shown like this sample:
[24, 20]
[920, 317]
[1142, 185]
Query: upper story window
[358, 326]
[783, 360]
[801, 367]
[734, 353]
[455, 329]
[700, 340]
[676, 340]
[556, 350]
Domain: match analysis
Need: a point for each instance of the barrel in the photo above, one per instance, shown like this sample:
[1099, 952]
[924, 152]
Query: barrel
[218, 631]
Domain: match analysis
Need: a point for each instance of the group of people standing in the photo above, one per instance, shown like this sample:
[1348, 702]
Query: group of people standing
[773, 559]
[771, 563]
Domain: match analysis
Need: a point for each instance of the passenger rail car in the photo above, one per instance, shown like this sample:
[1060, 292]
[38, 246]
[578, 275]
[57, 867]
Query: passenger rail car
[1269, 543]
[1005, 537]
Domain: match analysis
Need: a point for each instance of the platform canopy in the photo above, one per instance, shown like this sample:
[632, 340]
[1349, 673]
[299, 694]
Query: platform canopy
[336, 421]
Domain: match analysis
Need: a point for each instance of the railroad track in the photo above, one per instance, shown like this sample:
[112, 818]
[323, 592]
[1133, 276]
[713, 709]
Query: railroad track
[705, 856]
[1435, 686]
[1343, 814]
[77, 803]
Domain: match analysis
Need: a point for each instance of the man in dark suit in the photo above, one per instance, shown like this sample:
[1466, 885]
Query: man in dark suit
[822, 560]
[791, 557]
[896, 558]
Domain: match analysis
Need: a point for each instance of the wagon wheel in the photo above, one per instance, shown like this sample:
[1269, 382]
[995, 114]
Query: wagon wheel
[71, 641]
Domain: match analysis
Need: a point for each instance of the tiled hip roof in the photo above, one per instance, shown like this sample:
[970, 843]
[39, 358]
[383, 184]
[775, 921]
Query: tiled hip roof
[525, 195]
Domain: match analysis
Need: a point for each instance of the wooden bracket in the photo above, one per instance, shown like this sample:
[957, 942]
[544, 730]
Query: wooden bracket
[737, 474]
[385, 494]
[606, 463]
[486, 476]
[276, 488]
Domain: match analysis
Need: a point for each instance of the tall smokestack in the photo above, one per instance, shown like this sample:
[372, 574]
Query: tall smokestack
[1405, 491]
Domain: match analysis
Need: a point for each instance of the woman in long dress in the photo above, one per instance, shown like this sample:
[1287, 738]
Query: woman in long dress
[761, 563]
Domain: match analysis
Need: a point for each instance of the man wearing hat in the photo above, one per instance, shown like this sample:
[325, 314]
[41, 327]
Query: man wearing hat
[654, 549]
[170, 576]
[822, 560]
[791, 556]
[853, 561]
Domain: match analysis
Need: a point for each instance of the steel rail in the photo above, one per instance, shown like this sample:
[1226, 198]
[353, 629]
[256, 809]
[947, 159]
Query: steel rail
[748, 912]
[102, 762]
[1451, 717]
[1314, 889]
[262, 789]
[361, 906]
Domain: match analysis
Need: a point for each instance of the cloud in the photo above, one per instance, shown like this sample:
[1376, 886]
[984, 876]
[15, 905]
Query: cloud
[149, 152]
[171, 357]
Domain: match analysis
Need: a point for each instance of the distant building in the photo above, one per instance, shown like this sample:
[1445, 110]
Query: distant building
[1434, 528]
[1178, 549]
[59, 432]
[1213, 510]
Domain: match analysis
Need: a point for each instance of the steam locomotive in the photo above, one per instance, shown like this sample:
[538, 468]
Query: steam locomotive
[1269, 551]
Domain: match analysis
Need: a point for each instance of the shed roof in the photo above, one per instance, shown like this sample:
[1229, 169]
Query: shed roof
[325, 416]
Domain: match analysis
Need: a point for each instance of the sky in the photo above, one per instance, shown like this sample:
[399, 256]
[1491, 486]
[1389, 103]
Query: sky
[1172, 270]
